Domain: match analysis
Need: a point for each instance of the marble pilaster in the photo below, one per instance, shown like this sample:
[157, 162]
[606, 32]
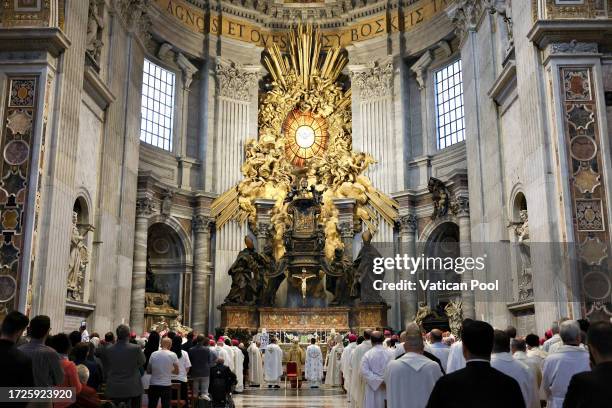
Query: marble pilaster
[465, 250]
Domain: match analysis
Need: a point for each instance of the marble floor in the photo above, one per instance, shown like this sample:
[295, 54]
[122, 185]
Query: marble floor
[290, 398]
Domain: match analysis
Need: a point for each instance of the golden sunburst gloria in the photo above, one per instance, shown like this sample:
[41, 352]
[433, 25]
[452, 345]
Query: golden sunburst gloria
[306, 136]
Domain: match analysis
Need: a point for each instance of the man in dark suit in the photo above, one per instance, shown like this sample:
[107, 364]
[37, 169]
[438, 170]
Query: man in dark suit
[594, 388]
[122, 363]
[478, 385]
[16, 365]
[202, 358]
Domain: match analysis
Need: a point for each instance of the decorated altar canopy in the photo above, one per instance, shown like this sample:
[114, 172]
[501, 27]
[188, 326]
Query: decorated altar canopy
[305, 133]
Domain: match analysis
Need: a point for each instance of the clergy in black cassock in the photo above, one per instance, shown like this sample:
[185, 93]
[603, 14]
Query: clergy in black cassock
[478, 385]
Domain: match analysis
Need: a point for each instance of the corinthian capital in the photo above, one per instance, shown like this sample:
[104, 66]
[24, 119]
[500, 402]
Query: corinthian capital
[235, 81]
[461, 207]
[408, 223]
[374, 80]
[144, 206]
[202, 223]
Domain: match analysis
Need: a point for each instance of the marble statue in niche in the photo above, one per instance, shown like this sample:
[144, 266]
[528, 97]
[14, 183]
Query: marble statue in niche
[364, 276]
[95, 25]
[521, 231]
[79, 258]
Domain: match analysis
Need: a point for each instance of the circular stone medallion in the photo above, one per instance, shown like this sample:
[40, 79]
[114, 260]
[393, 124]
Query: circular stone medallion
[16, 152]
[597, 285]
[8, 285]
[583, 148]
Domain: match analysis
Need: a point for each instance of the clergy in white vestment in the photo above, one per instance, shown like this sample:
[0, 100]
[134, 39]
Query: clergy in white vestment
[410, 378]
[345, 364]
[238, 366]
[332, 378]
[559, 367]
[227, 346]
[357, 380]
[273, 364]
[518, 348]
[533, 349]
[502, 360]
[373, 366]
[255, 364]
[313, 369]
[456, 361]
[437, 348]
[556, 338]
[222, 353]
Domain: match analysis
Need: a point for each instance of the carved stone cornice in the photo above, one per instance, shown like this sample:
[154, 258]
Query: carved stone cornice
[134, 15]
[466, 15]
[202, 224]
[375, 80]
[144, 206]
[234, 81]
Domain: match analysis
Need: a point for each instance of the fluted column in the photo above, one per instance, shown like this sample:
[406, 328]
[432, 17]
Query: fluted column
[201, 272]
[346, 225]
[264, 212]
[465, 249]
[144, 208]
[407, 236]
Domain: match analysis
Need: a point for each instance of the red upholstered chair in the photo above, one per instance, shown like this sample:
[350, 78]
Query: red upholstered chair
[292, 372]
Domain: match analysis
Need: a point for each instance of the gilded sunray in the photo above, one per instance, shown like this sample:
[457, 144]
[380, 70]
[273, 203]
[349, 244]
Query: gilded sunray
[305, 125]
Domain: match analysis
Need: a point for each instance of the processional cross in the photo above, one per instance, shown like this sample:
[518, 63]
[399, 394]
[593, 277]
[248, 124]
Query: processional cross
[303, 277]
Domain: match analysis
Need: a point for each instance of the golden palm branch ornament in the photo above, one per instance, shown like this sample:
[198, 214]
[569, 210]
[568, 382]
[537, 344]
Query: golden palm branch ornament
[305, 127]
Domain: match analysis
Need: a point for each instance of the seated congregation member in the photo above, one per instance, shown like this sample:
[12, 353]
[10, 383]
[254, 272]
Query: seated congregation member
[222, 379]
[87, 398]
[46, 363]
[122, 363]
[502, 360]
[61, 343]
[16, 365]
[567, 359]
[94, 374]
[202, 358]
[478, 384]
[594, 388]
[162, 365]
[410, 378]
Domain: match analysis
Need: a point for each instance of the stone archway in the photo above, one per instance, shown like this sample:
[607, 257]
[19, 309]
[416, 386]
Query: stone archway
[442, 241]
[169, 265]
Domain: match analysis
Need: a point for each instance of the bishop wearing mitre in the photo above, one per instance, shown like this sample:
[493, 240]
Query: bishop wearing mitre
[333, 377]
[273, 364]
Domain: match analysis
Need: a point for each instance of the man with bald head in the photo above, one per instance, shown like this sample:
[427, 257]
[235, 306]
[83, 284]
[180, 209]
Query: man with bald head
[411, 377]
[357, 380]
[162, 364]
[372, 369]
[437, 348]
